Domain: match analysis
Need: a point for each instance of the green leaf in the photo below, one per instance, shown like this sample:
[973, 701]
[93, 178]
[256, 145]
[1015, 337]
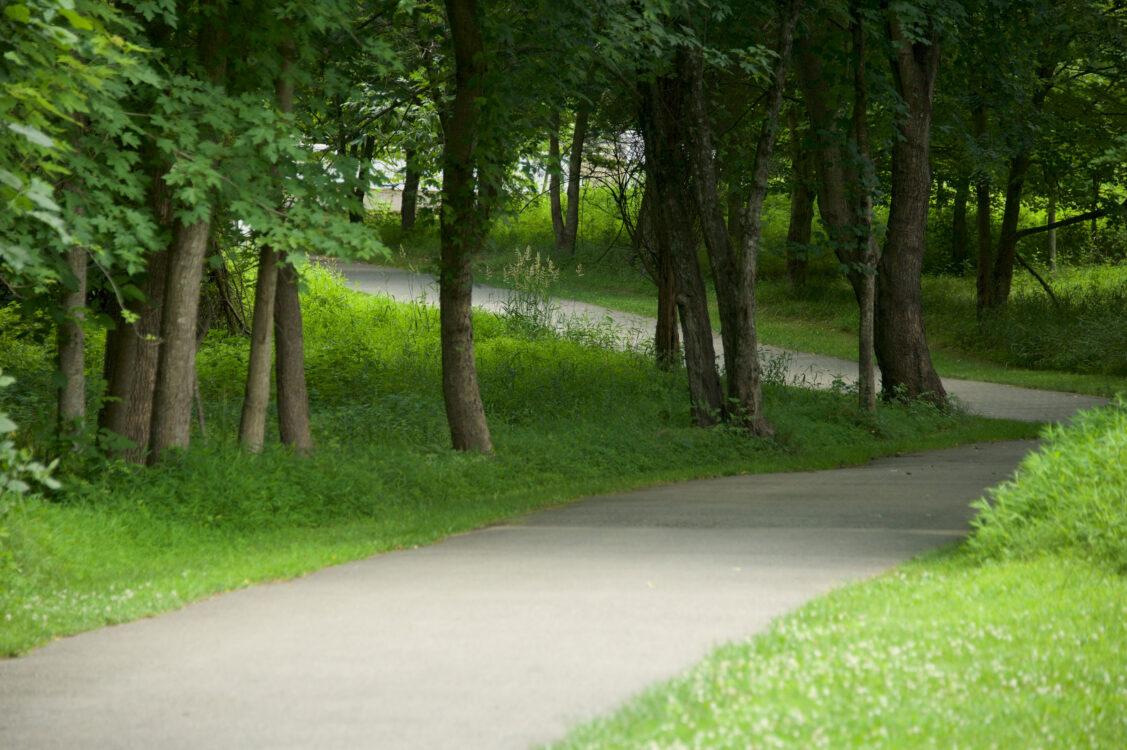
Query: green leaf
[6, 425]
[38, 137]
[19, 13]
[77, 21]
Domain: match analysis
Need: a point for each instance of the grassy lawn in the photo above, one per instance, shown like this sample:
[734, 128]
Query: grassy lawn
[1016, 639]
[567, 419]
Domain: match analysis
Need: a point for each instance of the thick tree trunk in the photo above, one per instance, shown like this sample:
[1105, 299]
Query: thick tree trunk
[566, 241]
[71, 343]
[662, 128]
[176, 369]
[252, 425]
[901, 344]
[652, 248]
[460, 233]
[131, 373]
[802, 192]
[409, 207]
[555, 199]
[289, 362]
[959, 235]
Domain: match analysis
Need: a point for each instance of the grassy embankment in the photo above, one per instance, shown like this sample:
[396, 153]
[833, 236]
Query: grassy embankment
[1018, 638]
[568, 420]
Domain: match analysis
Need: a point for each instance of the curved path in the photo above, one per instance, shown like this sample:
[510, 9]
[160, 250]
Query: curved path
[501, 638]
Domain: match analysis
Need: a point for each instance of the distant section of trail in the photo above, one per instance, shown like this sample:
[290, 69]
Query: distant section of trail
[988, 399]
[503, 638]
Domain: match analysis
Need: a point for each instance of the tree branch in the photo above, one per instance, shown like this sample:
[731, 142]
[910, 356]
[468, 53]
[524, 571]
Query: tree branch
[1097, 214]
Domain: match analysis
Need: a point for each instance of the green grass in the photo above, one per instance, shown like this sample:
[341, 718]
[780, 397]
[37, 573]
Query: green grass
[1079, 347]
[567, 420]
[1016, 639]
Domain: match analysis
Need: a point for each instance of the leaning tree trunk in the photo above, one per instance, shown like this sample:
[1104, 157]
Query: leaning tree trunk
[1001, 279]
[460, 233]
[289, 362]
[901, 344]
[566, 241]
[176, 368]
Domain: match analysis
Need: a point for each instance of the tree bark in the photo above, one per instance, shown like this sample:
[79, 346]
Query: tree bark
[252, 424]
[662, 113]
[71, 343]
[409, 206]
[901, 343]
[566, 241]
[460, 235]
[289, 362]
[802, 192]
[983, 226]
[554, 186]
[1002, 276]
[176, 369]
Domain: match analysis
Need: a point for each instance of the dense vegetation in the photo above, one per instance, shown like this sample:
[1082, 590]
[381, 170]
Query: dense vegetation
[1018, 638]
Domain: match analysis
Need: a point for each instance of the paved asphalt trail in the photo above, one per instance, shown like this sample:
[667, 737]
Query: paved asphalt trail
[504, 637]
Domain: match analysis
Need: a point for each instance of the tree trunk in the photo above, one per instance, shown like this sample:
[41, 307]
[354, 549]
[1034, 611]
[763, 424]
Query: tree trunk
[901, 344]
[71, 342]
[1051, 241]
[176, 368]
[959, 237]
[410, 203]
[289, 362]
[554, 167]
[661, 118]
[460, 235]
[566, 242]
[1003, 273]
[802, 192]
[983, 228]
[360, 192]
[252, 425]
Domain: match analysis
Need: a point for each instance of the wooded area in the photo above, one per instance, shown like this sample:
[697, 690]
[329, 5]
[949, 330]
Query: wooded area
[145, 142]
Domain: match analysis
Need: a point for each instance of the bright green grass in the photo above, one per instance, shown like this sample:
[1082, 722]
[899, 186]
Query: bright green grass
[1016, 639]
[937, 654]
[567, 420]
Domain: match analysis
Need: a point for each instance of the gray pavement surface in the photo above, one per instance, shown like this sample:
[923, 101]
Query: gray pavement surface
[501, 638]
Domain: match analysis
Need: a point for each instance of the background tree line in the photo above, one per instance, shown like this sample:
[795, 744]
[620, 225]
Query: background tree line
[145, 141]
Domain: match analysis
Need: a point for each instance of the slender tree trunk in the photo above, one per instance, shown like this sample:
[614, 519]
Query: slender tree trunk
[1094, 230]
[172, 398]
[409, 207]
[654, 244]
[289, 362]
[983, 229]
[566, 242]
[252, 425]
[360, 192]
[661, 115]
[901, 344]
[1051, 241]
[71, 342]
[554, 188]
[460, 233]
[802, 192]
[1003, 273]
[959, 236]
